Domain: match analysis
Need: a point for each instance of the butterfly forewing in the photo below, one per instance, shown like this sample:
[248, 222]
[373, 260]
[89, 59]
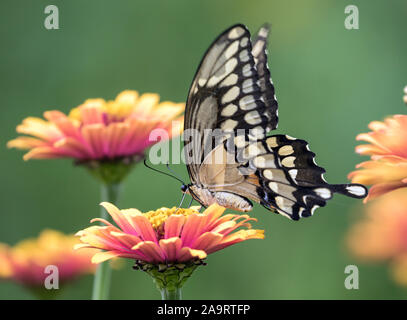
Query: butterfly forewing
[224, 95]
[259, 52]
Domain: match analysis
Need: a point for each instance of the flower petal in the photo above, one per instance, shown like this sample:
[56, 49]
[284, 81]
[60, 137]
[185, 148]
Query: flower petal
[193, 228]
[207, 241]
[143, 228]
[151, 250]
[118, 217]
[104, 255]
[187, 254]
[171, 248]
[173, 225]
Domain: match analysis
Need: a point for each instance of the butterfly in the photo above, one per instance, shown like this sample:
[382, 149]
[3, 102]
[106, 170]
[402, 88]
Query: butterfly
[233, 95]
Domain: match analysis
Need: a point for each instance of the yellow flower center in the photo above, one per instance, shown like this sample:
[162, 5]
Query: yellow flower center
[45, 249]
[116, 110]
[158, 217]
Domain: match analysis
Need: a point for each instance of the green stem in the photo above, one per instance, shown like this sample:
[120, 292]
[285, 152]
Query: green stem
[171, 294]
[101, 284]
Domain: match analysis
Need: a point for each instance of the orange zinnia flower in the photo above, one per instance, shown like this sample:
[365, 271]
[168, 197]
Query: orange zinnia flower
[382, 234]
[5, 267]
[99, 129]
[387, 169]
[168, 244]
[26, 261]
[166, 236]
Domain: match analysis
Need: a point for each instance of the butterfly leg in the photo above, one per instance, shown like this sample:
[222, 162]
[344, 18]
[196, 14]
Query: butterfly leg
[190, 202]
[182, 200]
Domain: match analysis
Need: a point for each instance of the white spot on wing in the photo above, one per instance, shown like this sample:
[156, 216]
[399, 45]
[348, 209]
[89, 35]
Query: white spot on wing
[257, 133]
[240, 141]
[257, 48]
[228, 125]
[236, 33]
[356, 190]
[247, 86]
[273, 186]
[263, 32]
[252, 117]
[247, 103]
[230, 80]
[285, 150]
[288, 162]
[272, 142]
[229, 110]
[247, 70]
[202, 81]
[244, 41]
[232, 49]
[323, 193]
[231, 94]
[293, 173]
[244, 55]
[284, 204]
[265, 161]
[253, 150]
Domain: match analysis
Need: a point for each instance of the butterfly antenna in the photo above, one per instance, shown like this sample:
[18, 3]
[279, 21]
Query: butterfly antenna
[173, 172]
[167, 174]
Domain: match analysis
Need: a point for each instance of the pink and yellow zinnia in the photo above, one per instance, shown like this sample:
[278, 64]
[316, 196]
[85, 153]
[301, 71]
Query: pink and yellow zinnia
[387, 169]
[26, 262]
[387, 148]
[166, 236]
[99, 129]
[381, 235]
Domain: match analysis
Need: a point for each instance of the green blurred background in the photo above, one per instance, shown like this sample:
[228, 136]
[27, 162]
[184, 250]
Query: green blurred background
[331, 82]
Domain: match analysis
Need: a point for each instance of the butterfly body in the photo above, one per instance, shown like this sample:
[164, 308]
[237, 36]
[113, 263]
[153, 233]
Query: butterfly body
[225, 199]
[231, 159]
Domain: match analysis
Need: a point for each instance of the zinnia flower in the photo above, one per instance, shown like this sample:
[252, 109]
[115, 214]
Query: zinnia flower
[171, 240]
[5, 267]
[382, 234]
[400, 270]
[25, 263]
[100, 130]
[387, 169]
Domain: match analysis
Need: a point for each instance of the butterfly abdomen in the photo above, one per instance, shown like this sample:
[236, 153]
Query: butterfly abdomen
[233, 201]
[225, 199]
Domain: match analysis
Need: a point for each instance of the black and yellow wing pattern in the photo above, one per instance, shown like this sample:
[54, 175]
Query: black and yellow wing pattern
[232, 93]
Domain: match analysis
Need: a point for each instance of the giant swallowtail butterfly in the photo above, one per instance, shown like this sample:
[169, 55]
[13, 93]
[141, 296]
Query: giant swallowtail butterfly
[232, 94]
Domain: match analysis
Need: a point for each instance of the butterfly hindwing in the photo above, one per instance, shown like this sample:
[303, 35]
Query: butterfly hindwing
[290, 182]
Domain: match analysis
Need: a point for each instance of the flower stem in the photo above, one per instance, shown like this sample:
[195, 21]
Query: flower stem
[101, 283]
[171, 294]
